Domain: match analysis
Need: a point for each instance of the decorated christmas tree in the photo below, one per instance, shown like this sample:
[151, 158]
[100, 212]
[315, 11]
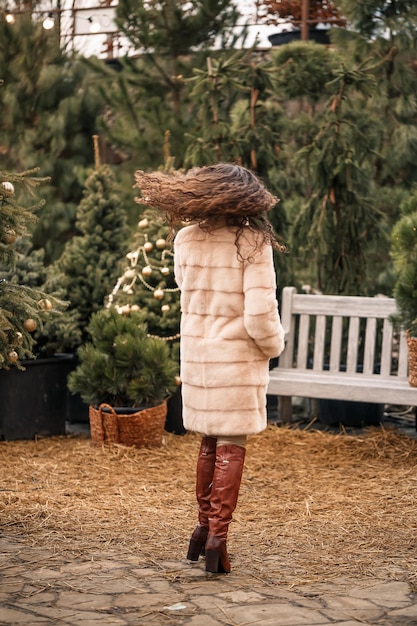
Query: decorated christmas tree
[148, 282]
[23, 308]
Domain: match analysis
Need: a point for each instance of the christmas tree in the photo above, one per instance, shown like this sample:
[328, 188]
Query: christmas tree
[90, 262]
[23, 309]
[148, 282]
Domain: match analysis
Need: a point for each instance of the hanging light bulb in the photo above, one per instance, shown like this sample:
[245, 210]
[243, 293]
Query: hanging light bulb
[95, 25]
[48, 22]
[10, 18]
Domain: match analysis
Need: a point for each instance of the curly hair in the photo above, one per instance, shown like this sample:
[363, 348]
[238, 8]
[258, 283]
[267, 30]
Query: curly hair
[210, 195]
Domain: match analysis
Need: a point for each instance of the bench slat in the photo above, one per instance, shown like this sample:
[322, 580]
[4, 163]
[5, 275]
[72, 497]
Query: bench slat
[403, 356]
[386, 351]
[336, 344]
[369, 350]
[343, 305]
[342, 386]
[319, 339]
[303, 334]
[353, 344]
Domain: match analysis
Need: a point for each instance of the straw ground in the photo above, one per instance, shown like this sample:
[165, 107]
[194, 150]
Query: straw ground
[314, 505]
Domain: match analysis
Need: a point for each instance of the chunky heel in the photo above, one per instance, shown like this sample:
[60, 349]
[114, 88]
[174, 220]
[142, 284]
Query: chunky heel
[217, 560]
[195, 550]
[197, 544]
[213, 562]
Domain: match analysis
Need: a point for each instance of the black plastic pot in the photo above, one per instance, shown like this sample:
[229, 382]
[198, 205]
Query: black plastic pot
[319, 35]
[350, 413]
[174, 423]
[34, 401]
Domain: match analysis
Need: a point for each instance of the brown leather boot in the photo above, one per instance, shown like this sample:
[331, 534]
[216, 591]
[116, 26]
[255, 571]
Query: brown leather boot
[205, 470]
[224, 494]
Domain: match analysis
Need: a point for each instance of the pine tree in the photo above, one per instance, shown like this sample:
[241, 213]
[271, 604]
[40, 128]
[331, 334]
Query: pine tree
[149, 94]
[58, 333]
[237, 120]
[341, 219]
[121, 365]
[404, 253]
[379, 29]
[23, 309]
[49, 108]
[90, 263]
[148, 282]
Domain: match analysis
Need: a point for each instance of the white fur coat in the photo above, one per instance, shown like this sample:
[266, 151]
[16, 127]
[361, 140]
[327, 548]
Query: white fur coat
[230, 328]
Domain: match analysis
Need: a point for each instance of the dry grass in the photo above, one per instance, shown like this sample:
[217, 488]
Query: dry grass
[313, 505]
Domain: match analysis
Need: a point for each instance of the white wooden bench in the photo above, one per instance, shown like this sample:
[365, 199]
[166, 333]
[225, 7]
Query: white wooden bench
[340, 348]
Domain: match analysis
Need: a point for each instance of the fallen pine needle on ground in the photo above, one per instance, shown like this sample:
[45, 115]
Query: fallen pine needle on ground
[313, 505]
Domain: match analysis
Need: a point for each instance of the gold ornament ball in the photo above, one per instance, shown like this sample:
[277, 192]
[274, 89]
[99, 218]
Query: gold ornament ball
[30, 325]
[160, 244]
[12, 356]
[143, 223]
[19, 338]
[125, 309]
[147, 270]
[135, 308]
[8, 186]
[177, 381]
[132, 256]
[165, 271]
[129, 274]
[158, 294]
[45, 304]
[148, 246]
[9, 236]
[165, 308]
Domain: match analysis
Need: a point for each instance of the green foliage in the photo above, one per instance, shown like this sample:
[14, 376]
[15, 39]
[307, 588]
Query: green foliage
[303, 70]
[91, 261]
[238, 121]
[377, 18]
[148, 281]
[122, 365]
[60, 329]
[49, 108]
[404, 253]
[148, 95]
[172, 28]
[340, 217]
[20, 304]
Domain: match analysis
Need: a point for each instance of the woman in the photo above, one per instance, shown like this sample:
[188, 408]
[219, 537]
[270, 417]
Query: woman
[230, 327]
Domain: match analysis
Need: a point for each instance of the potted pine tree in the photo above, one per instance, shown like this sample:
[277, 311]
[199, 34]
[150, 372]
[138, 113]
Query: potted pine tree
[404, 254]
[31, 402]
[125, 375]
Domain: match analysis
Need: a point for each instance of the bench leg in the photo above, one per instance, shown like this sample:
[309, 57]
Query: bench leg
[285, 409]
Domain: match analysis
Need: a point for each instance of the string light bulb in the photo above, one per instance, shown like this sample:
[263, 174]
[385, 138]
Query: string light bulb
[48, 22]
[95, 26]
[10, 18]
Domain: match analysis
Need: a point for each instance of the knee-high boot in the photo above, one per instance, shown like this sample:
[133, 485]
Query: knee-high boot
[224, 494]
[205, 470]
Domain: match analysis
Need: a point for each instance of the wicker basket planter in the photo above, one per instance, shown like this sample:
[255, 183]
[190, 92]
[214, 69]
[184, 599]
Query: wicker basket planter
[412, 360]
[142, 428]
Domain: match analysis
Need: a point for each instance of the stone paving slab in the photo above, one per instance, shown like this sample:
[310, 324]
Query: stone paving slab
[39, 587]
